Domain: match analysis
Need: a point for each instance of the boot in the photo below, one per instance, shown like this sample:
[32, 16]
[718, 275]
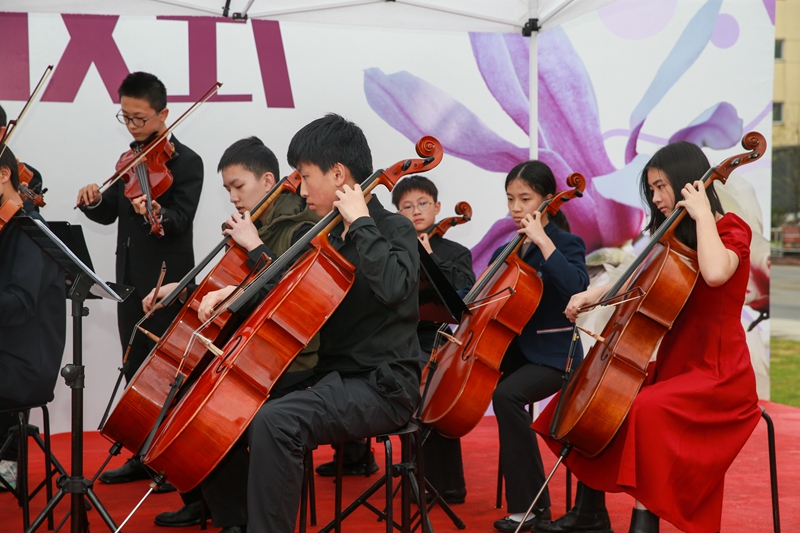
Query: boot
[588, 516]
[643, 521]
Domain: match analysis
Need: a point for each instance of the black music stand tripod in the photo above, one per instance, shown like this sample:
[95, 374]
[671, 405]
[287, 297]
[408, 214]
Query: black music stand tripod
[81, 283]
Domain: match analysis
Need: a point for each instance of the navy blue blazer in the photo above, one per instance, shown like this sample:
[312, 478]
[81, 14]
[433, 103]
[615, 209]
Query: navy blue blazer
[546, 338]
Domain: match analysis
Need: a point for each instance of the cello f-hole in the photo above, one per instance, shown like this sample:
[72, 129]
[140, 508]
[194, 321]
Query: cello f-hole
[221, 366]
[464, 356]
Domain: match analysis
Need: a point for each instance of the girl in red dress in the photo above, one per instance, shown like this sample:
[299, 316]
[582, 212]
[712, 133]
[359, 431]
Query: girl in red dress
[698, 405]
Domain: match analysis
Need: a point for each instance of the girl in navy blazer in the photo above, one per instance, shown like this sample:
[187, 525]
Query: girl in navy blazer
[534, 364]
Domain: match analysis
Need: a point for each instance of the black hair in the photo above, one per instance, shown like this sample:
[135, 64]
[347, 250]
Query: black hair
[414, 183]
[9, 160]
[253, 155]
[682, 162]
[3, 117]
[329, 140]
[540, 178]
[144, 86]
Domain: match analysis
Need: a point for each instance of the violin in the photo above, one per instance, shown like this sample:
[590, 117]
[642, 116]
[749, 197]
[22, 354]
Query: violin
[597, 398]
[219, 406]
[7, 212]
[464, 212]
[459, 380]
[174, 356]
[150, 177]
[25, 177]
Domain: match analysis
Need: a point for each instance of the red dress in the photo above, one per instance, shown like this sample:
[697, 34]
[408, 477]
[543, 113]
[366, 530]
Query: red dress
[695, 412]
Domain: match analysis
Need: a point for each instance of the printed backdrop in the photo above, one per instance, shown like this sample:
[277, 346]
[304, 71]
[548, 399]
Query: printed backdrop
[614, 86]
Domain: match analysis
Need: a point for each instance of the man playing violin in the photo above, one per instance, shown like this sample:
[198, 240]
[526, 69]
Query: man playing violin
[143, 102]
[33, 317]
[249, 170]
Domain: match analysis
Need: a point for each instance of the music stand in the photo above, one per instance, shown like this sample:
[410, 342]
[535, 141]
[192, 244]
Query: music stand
[438, 302]
[81, 283]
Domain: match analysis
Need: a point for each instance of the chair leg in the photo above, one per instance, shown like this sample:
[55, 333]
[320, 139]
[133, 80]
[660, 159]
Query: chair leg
[22, 469]
[312, 490]
[387, 444]
[304, 494]
[338, 495]
[48, 464]
[569, 489]
[425, 525]
[773, 471]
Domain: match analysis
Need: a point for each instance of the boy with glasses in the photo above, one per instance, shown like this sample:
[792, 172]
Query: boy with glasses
[143, 99]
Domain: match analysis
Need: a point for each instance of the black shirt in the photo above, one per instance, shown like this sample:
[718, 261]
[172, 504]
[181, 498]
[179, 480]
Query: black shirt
[376, 322]
[455, 262]
[33, 318]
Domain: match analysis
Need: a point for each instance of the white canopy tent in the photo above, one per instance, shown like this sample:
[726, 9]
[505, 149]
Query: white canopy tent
[508, 16]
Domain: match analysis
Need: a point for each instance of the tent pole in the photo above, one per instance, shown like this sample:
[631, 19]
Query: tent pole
[533, 82]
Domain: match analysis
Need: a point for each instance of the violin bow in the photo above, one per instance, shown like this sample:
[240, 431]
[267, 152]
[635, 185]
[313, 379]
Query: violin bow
[147, 149]
[11, 127]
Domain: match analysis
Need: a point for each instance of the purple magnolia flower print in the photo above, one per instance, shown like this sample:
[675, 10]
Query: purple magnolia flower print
[569, 134]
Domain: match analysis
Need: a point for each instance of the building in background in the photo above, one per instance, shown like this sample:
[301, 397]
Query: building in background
[786, 114]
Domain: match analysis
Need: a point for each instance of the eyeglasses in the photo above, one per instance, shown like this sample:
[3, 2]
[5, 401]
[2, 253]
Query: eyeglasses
[422, 206]
[136, 121]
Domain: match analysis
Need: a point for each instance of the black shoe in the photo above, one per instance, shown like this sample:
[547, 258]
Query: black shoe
[165, 488]
[188, 515]
[348, 469]
[643, 521]
[234, 529]
[588, 516]
[509, 525]
[132, 470]
[451, 496]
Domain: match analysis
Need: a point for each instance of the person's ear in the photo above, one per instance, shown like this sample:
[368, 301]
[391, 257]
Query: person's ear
[339, 174]
[437, 208]
[268, 181]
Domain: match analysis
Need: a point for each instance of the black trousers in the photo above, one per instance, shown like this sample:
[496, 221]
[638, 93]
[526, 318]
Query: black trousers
[522, 383]
[129, 313]
[444, 467]
[336, 409]
[225, 488]
[8, 421]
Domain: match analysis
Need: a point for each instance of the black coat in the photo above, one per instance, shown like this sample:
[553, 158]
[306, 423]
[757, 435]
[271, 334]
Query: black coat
[33, 318]
[139, 254]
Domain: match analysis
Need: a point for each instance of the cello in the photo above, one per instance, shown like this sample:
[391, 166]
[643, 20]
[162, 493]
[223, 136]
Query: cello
[174, 356]
[214, 413]
[597, 398]
[458, 382]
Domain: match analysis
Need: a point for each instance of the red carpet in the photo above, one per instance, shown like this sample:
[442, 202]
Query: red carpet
[747, 493]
